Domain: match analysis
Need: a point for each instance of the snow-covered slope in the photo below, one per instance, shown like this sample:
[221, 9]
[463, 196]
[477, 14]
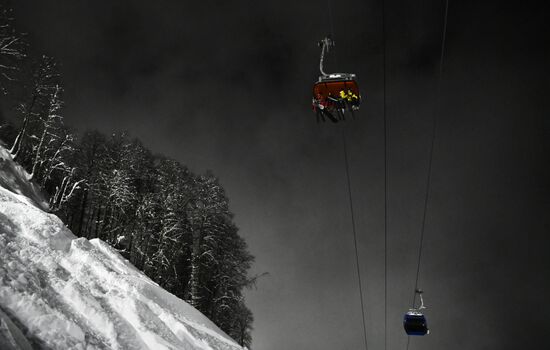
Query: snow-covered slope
[62, 292]
[14, 178]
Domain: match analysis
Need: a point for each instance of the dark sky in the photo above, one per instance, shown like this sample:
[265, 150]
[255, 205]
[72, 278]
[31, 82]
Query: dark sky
[225, 85]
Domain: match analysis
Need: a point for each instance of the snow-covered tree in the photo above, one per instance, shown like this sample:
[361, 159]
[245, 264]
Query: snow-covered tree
[44, 81]
[12, 47]
[49, 140]
[65, 191]
[170, 245]
[209, 201]
[91, 151]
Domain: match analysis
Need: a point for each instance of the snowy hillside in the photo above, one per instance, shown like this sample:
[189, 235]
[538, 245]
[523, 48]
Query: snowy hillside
[62, 292]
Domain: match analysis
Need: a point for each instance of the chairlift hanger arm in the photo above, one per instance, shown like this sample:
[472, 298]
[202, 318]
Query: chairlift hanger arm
[325, 44]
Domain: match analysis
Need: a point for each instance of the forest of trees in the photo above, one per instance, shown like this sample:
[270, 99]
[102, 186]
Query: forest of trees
[172, 224]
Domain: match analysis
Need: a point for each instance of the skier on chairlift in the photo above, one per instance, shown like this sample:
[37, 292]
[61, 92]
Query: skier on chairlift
[334, 93]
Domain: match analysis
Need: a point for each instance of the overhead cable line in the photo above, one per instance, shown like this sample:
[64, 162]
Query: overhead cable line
[354, 237]
[350, 196]
[434, 129]
[385, 178]
[354, 228]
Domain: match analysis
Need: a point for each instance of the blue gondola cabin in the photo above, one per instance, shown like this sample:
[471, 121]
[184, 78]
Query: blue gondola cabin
[415, 323]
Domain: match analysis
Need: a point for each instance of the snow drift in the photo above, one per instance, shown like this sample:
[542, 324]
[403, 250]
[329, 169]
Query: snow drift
[62, 292]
